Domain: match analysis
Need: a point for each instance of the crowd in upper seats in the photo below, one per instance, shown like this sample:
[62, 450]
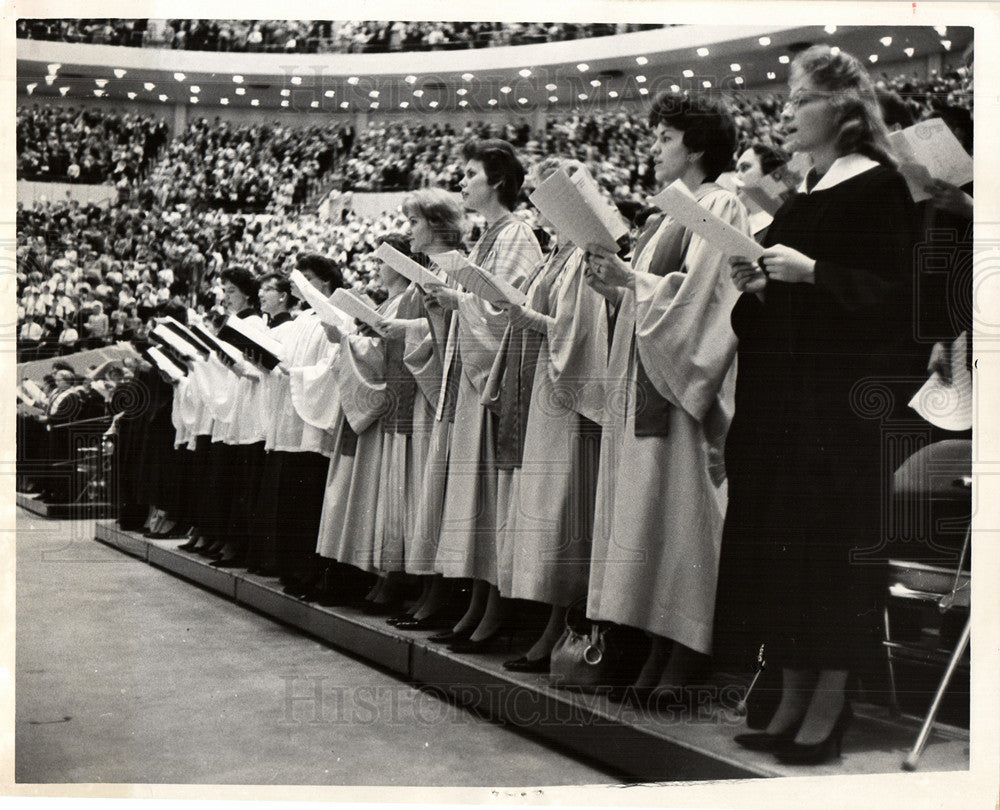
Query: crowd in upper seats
[86, 145]
[310, 36]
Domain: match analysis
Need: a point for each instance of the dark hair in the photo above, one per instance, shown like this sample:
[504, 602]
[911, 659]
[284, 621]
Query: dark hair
[959, 121]
[771, 157]
[326, 270]
[707, 125]
[894, 109]
[397, 241]
[852, 97]
[244, 281]
[176, 310]
[62, 365]
[280, 282]
[503, 169]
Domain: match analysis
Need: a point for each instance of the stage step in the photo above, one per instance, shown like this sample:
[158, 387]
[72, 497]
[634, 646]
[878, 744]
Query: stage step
[692, 744]
[86, 509]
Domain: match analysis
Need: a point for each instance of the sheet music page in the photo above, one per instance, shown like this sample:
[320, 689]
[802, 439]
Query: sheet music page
[327, 313]
[175, 341]
[478, 282]
[165, 364]
[677, 202]
[934, 146]
[259, 337]
[574, 216]
[405, 266]
[591, 193]
[355, 306]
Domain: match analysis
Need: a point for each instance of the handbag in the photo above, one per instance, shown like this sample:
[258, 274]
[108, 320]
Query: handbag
[586, 657]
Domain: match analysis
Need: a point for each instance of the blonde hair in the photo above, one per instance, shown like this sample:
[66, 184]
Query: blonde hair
[439, 208]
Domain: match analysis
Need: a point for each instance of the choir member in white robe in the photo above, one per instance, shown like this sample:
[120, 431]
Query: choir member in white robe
[548, 381]
[467, 545]
[661, 493]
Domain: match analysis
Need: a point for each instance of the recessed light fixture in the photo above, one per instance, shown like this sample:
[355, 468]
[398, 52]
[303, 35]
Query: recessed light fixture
[551, 88]
[834, 49]
[99, 93]
[63, 91]
[314, 105]
[224, 101]
[830, 29]
[163, 96]
[179, 77]
[50, 79]
[433, 104]
[54, 67]
[595, 82]
[285, 92]
[195, 89]
[612, 94]
[373, 105]
[703, 52]
[641, 60]
[119, 73]
[524, 73]
[553, 99]
[410, 80]
[241, 91]
[783, 59]
[467, 77]
[194, 99]
[461, 91]
[418, 93]
[643, 91]
[31, 87]
[873, 58]
[739, 80]
[463, 103]
[764, 41]
[706, 84]
[522, 100]
[583, 67]
[886, 41]
[285, 102]
[255, 102]
[344, 105]
[330, 93]
[583, 96]
[640, 79]
[373, 94]
[237, 79]
[946, 44]
[149, 86]
[131, 96]
[688, 74]
[493, 102]
[941, 29]
[353, 80]
[735, 67]
[101, 82]
[675, 88]
[908, 51]
[505, 90]
[296, 80]
[404, 104]
[772, 75]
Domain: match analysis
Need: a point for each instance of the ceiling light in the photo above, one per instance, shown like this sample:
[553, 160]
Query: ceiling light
[643, 91]
[640, 79]
[99, 93]
[764, 41]
[463, 103]
[131, 96]
[237, 79]
[739, 80]
[553, 99]
[163, 96]
[505, 90]
[179, 77]
[284, 91]
[296, 80]
[524, 74]
[688, 74]
[63, 91]
[830, 29]
[583, 96]
[886, 41]
[675, 88]
[641, 60]
[119, 73]
[373, 94]
[783, 59]
[404, 104]
[353, 80]
[467, 77]
[284, 102]
[314, 105]
[873, 58]
[374, 105]
[432, 104]
[344, 105]
[706, 84]
[194, 99]
[224, 101]
[492, 102]
[101, 82]
[946, 43]
[461, 91]
[551, 88]
[195, 89]
[834, 49]
[703, 52]
[908, 51]
[410, 80]
[522, 100]
[941, 29]
[418, 93]
[771, 75]
[241, 91]
[149, 86]
[330, 93]
[583, 67]
[31, 87]
[255, 102]
[612, 94]
[735, 67]
[595, 82]
[50, 79]
[54, 67]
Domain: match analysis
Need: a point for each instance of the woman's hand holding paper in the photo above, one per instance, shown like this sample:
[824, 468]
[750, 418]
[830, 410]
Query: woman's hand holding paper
[786, 264]
[747, 276]
[443, 296]
[607, 268]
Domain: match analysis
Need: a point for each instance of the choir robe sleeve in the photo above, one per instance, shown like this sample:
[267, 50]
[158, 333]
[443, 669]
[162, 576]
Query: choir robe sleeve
[423, 361]
[578, 341]
[314, 390]
[683, 333]
[217, 389]
[360, 374]
[481, 326]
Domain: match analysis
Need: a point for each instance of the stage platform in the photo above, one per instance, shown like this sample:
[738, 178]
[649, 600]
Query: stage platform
[690, 744]
[86, 509]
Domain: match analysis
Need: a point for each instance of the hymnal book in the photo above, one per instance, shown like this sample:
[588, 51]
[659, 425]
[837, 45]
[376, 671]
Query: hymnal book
[256, 345]
[170, 338]
[33, 390]
[320, 303]
[574, 205]
[929, 150]
[679, 203]
[405, 266]
[165, 364]
[477, 281]
[217, 345]
[358, 307]
[186, 333]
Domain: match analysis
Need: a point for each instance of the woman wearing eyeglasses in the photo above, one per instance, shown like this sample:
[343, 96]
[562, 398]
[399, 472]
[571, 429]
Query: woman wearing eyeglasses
[824, 319]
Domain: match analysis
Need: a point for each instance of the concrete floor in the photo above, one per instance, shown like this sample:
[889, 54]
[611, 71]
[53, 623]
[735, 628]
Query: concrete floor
[126, 674]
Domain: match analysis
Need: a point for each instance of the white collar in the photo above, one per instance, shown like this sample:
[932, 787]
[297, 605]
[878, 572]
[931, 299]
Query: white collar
[843, 168]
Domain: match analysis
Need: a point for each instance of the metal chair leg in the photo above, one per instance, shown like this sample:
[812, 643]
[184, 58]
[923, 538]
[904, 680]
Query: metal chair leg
[910, 764]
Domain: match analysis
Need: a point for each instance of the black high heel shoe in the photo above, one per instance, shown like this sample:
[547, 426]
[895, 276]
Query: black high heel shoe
[817, 753]
[525, 664]
[450, 636]
[499, 639]
[762, 741]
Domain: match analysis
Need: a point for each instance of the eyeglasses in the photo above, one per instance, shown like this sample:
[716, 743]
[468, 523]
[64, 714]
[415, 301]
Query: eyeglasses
[804, 97]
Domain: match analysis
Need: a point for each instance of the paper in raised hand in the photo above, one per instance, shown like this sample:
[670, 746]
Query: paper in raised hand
[575, 207]
[358, 307]
[473, 278]
[405, 266]
[930, 151]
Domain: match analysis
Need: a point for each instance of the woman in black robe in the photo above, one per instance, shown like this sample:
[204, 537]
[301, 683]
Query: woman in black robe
[824, 322]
